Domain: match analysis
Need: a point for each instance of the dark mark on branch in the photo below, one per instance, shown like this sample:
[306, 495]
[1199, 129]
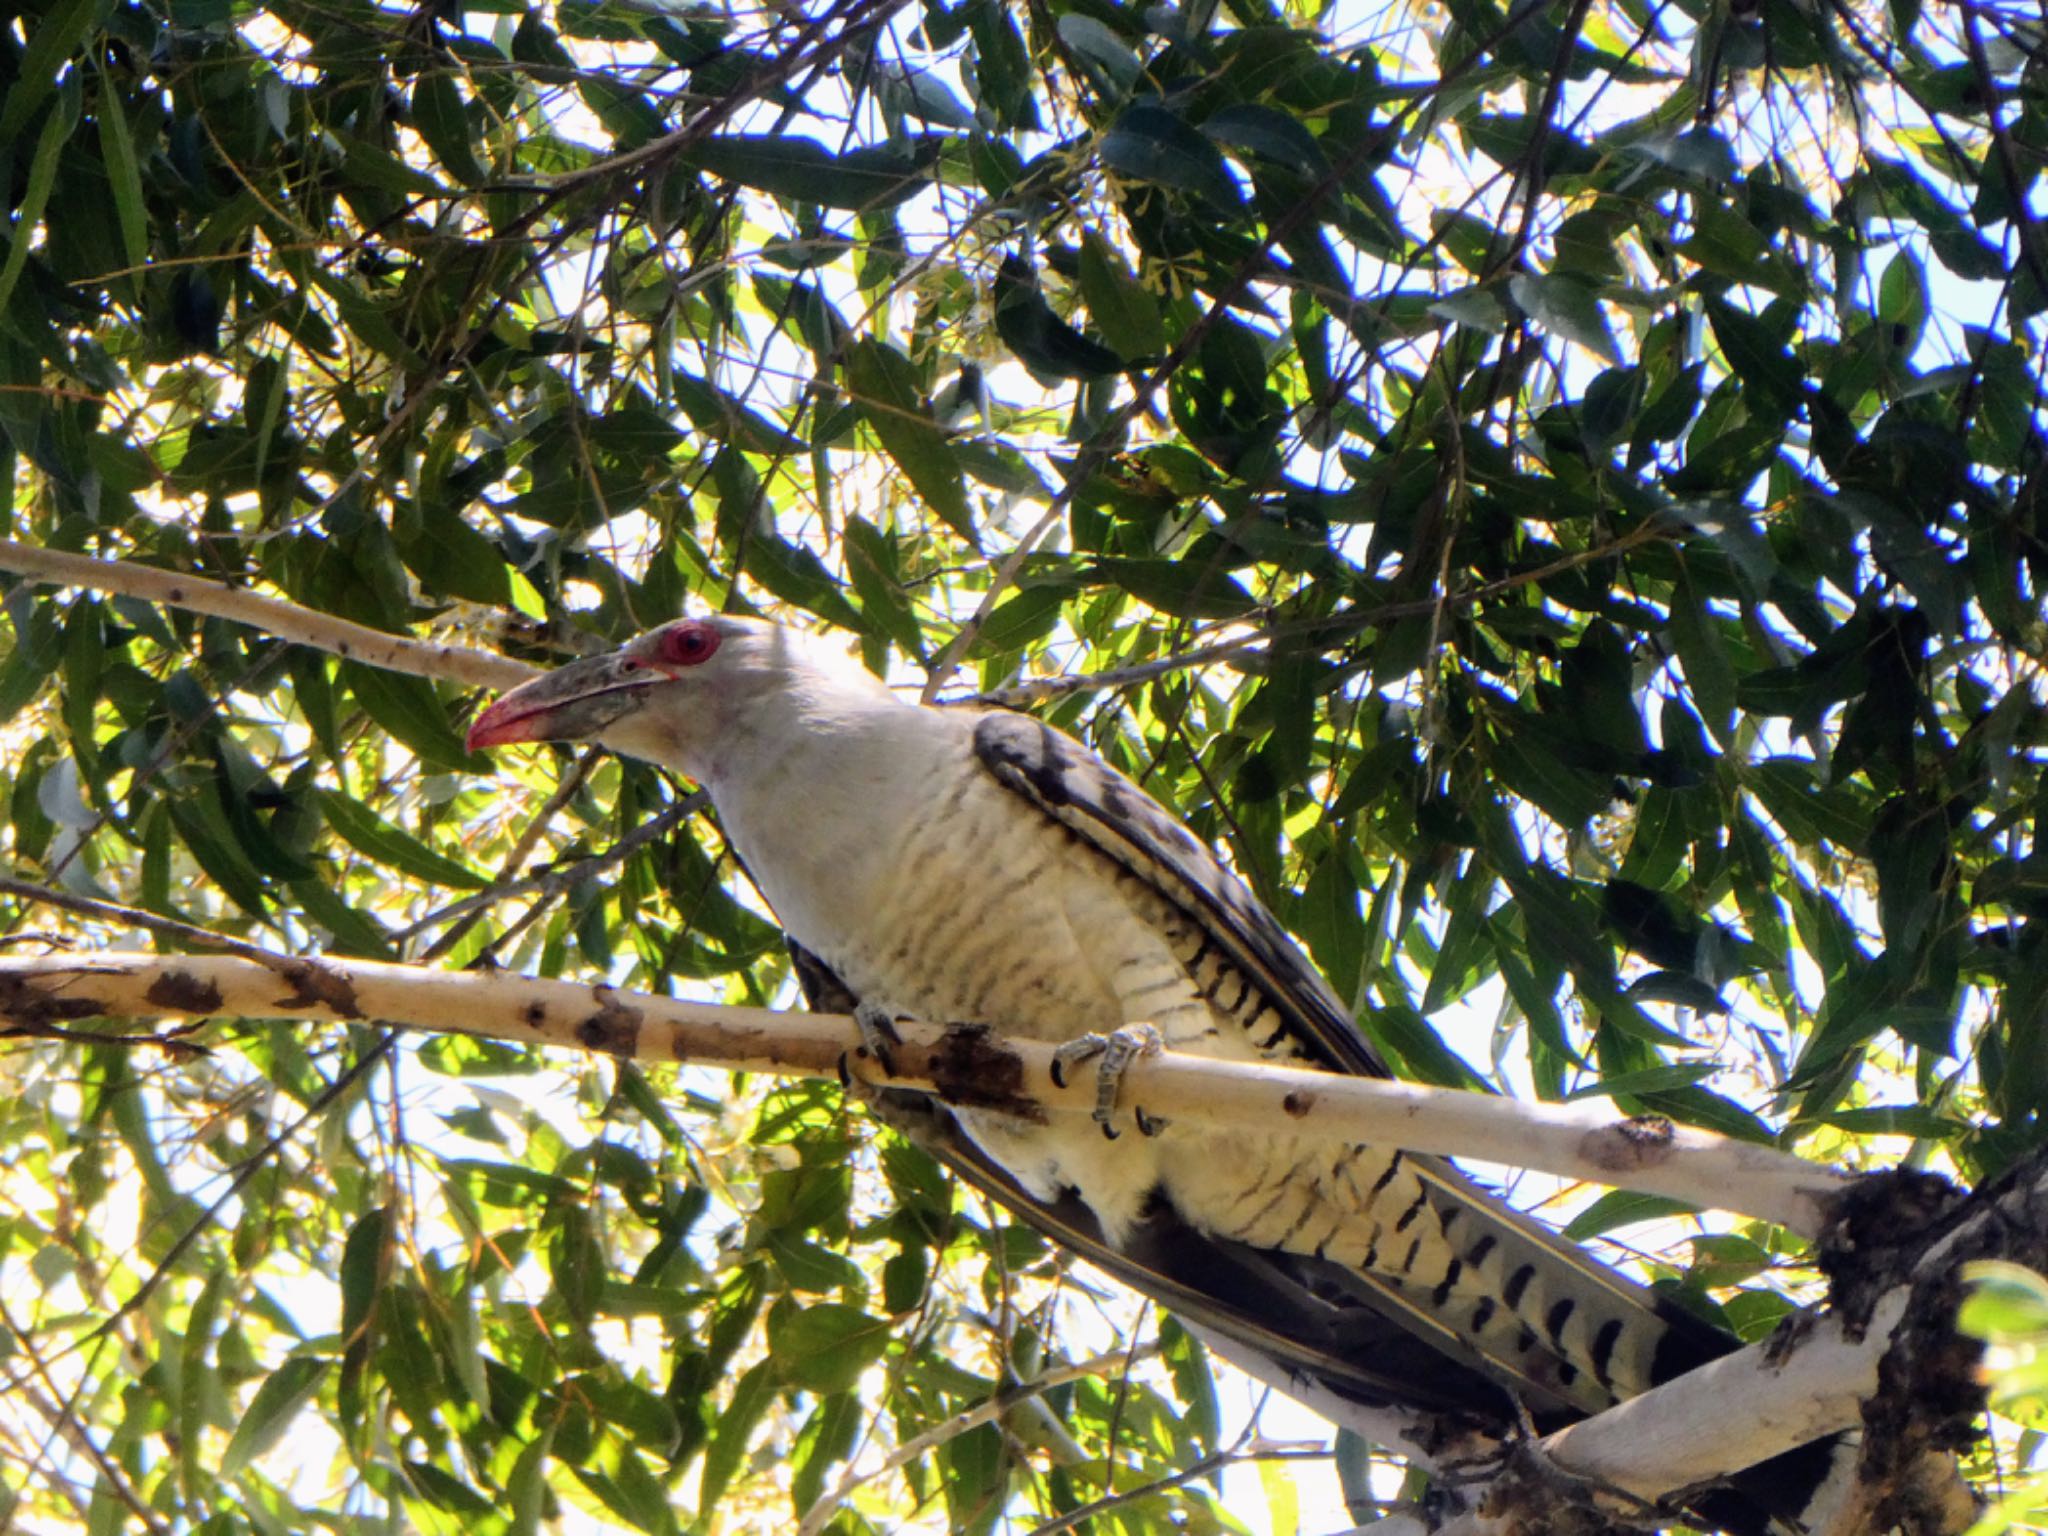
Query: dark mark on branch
[182, 992]
[1298, 1102]
[27, 1005]
[969, 1068]
[1628, 1146]
[318, 983]
[614, 1028]
[534, 1015]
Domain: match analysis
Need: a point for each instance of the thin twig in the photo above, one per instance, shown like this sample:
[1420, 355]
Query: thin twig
[990, 1408]
[138, 917]
[1330, 627]
[555, 881]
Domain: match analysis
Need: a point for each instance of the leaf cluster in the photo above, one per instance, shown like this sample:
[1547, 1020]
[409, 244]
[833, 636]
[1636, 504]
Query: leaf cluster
[1555, 490]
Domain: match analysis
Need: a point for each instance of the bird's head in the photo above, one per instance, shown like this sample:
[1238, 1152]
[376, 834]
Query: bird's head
[685, 695]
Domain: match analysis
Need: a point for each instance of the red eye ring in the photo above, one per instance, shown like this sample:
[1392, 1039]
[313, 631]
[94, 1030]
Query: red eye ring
[688, 644]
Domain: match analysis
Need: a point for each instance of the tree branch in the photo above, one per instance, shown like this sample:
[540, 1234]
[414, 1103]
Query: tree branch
[273, 615]
[1886, 1359]
[1887, 1356]
[962, 1065]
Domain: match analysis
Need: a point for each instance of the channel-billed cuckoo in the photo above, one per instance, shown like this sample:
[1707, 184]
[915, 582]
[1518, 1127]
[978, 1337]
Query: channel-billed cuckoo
[959, 864]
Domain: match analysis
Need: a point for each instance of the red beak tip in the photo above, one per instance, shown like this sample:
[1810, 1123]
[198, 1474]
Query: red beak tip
[492, 728]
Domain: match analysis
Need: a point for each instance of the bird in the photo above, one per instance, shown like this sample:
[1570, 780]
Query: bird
[957, 864]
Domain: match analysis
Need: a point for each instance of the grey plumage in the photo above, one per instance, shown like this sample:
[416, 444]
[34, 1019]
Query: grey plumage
[965, 865]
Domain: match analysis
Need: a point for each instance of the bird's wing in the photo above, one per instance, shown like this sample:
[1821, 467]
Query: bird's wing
[1297, 1314]
[1084, 794]
[1568, 1329]
[1340, 1327]
[1292, 1321]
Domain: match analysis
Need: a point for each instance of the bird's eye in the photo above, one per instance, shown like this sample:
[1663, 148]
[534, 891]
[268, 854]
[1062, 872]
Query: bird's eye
[688, 645]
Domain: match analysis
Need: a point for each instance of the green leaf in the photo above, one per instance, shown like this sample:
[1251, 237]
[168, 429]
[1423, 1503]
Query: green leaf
[2006, 1300]
[751, 1396]
[1897, 1120]
[353, 932]
[1193, 1382]
[825, 1348]
[441, 117]
[362, 1269]
[526, 1487]
[1566, 308]
[371, 165]
[884, 388]
[284, 1393]
[1187, 589]
[803, 170]
[197, 1381]
[576, 1260]
[35, 74]
[871, 567]
[1096, 42]
[1703, 654]
[1755, 349]
[450, 557]
[117, 151]
[1725, 243]
[714, 412]
[1417, 1050]
[42, 178]
[1902, 300]
[85, 658]
[1128, 316]
[507, 1185]
[1621, 1208]
[921, 94]
[1043, 342]
[206, 836]
[1149, 143]
[1786, 788]
[1021, 619]
[34, 659]
[370, 834]
[827, 1436]
[808, 1266]
[1526, 759]
[1648, 1080]
[1271, 134]
[410, 710]
[795, 574]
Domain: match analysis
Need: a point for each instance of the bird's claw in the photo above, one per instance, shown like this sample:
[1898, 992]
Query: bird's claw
[878, 1035]
[1117, 1051]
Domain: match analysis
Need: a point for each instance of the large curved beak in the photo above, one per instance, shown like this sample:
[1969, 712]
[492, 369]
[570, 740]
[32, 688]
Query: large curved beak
[572, 703]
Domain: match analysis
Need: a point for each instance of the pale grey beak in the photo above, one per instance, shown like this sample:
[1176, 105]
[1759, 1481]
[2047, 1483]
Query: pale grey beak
[572, 703]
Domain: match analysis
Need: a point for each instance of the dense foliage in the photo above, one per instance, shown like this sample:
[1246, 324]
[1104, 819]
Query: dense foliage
[1560, 487]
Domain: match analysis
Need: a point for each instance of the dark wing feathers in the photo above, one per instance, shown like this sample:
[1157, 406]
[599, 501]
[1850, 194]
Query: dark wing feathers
[1350, 1333]
[1072, 785]
[1296, 1313]
[1084, 794]
[1088, 797]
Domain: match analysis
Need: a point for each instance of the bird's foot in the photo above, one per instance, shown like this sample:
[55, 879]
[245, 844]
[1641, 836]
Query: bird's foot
[878, 1035]
[1117, 1051]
